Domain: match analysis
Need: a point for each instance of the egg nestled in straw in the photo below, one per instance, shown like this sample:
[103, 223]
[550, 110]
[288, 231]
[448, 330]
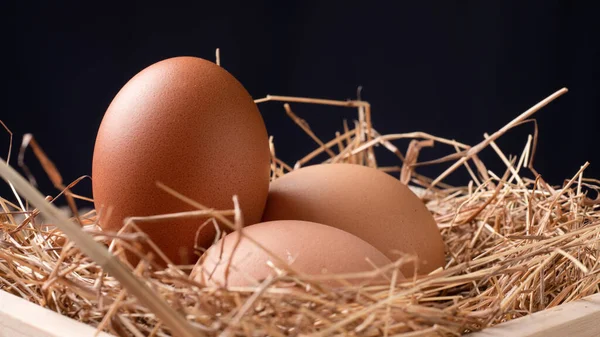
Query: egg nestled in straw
[365, 202]
[306, 247]
[189, 124]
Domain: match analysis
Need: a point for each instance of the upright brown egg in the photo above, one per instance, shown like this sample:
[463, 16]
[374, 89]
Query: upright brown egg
[189, 124]
[307, 247]
[363, 201]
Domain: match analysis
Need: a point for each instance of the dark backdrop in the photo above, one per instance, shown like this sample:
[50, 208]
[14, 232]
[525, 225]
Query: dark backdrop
[456, 69]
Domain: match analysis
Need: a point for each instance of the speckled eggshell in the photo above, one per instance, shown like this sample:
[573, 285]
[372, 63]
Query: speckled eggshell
[307, 247]
[363, 201]
[189, 124]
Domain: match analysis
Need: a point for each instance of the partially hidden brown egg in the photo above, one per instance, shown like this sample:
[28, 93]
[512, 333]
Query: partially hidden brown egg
[307, 247]
[189, 124]
[363, 201]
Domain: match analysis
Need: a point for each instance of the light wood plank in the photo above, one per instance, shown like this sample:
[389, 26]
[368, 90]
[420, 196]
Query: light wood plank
[21, 318]
[574, 319]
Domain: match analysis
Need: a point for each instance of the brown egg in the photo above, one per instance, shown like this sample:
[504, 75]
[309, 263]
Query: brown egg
[189, 124]
[306, 247]
[363, 201]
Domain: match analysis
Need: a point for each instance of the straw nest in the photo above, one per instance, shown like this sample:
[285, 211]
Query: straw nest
[515, 245]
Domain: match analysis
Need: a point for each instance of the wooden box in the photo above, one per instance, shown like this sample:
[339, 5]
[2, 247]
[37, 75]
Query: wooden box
[21, 318]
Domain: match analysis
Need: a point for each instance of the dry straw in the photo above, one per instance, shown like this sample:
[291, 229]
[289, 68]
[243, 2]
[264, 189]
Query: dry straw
[515, 245]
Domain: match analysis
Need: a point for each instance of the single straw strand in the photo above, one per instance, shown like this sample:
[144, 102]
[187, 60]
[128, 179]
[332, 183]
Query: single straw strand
[476, 149]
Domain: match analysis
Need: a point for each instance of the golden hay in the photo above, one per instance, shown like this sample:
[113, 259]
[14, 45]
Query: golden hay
[515, 245]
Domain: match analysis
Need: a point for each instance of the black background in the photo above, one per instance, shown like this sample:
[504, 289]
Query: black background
[455, 69]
